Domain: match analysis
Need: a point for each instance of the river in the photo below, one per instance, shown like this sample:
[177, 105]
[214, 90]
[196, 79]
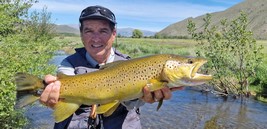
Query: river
[187, 109]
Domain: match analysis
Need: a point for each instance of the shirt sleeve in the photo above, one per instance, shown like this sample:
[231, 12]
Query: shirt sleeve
[66, 68]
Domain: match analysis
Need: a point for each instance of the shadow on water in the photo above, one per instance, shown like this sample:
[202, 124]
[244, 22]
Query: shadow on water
[187, 109]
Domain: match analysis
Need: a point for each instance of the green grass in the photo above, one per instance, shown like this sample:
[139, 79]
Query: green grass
[145, 46]
[138, 47]
[264, 44]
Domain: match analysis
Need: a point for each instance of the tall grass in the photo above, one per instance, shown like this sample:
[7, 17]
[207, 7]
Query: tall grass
[143, 47]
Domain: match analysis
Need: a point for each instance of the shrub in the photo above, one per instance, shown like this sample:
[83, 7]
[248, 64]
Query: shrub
[21, 51]
[232, 52]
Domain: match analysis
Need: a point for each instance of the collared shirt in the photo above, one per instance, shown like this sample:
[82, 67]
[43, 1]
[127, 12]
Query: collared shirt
[94, 63]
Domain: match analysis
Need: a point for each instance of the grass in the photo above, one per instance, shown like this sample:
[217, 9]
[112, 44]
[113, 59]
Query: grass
[138, 47]
[145, 46]
[264, 44]
[70, 43]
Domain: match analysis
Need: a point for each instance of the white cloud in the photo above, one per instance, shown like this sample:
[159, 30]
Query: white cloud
[144, 12]
[56, 6]
[148, 9]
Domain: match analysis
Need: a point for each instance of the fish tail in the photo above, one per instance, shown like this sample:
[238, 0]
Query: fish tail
[29, 89]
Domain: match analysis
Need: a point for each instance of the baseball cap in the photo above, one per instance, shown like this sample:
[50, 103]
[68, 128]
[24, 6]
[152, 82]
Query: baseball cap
[97, 12]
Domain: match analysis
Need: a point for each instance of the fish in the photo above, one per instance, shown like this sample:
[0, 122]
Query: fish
[114, 83]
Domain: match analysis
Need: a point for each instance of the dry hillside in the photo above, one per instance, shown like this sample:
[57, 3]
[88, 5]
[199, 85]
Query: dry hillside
[257, 15]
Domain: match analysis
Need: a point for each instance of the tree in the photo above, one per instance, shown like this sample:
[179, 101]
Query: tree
[12, 13]
[137, 33]
[232, 52]
[21, 51]
[38, 25]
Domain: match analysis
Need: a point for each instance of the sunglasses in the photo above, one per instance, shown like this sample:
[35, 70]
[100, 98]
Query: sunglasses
[97, 11]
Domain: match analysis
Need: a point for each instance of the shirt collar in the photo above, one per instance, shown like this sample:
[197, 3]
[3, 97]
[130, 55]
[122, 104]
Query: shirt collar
[94, 63]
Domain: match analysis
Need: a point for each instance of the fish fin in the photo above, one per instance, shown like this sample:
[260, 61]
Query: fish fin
[25, 81]
[63, 110]
[29, 88]
[154, 84]
[107, 109]
[25, 100]
[159, 104]
[110, 64]
[111, 110]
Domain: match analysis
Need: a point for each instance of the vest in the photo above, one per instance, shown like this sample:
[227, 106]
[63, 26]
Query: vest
[81, 66]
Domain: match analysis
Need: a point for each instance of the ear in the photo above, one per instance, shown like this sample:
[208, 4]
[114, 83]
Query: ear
[114, 32]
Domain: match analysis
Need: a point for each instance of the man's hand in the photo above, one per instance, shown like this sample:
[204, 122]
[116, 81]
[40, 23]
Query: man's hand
[50, 95]
[164, 93]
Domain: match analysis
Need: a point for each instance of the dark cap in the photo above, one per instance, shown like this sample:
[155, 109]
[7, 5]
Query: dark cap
[97, 12]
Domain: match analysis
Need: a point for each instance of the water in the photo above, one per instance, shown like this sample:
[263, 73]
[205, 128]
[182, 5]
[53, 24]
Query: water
[191, 109]
[59, 56]
[187, 109]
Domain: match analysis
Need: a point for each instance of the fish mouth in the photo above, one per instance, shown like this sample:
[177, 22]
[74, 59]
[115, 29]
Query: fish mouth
[195, 76]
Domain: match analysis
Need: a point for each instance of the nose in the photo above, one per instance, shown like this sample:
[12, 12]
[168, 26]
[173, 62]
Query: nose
[96, 37]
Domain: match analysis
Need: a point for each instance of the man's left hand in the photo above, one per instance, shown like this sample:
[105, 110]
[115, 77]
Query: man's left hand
[164, 93]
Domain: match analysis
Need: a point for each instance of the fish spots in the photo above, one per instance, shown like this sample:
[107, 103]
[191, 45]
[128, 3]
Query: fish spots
[172, 64]
[108, 90]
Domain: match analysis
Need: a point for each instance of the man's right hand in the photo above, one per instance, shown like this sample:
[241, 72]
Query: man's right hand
[50, 95]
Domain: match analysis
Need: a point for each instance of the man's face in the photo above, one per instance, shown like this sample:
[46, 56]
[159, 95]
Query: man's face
[98, 38]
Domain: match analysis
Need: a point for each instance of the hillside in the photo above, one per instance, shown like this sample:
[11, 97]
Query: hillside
[66, 29]
[257, 15]
[74, 29]
[127, 32]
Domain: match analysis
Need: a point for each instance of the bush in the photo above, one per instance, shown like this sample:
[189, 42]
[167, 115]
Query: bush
[21, 51]
[232, 52]
[137, 33]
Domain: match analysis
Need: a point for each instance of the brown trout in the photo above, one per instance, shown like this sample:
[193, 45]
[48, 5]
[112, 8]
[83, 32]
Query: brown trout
[115, 83]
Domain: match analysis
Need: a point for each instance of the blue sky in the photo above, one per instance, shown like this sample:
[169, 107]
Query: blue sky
[153, 15]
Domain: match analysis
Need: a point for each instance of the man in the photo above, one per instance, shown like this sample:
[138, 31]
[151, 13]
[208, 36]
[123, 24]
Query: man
[98, 32]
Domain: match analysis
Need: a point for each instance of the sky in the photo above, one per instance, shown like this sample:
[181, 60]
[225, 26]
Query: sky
[152, 15]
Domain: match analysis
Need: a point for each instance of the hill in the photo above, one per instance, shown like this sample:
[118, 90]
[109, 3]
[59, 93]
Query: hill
[255, 9]
[127, 32]
[74, 29]
[66, 29]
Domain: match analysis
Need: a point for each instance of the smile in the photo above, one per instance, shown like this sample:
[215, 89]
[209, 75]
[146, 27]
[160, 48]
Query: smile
[96, 46]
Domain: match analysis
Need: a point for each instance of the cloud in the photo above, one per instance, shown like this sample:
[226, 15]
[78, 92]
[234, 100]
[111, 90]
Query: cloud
[164, 12]
[56, 6]
[149, 13]
[138, 8]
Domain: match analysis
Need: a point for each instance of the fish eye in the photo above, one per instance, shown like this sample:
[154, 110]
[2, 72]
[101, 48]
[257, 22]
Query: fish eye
[190, 61]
